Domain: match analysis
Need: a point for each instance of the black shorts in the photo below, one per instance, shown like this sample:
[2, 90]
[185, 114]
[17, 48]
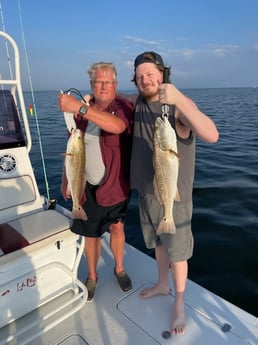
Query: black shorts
[99, 217]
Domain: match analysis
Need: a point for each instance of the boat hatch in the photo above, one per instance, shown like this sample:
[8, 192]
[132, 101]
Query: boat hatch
[11, 134]
[157, 311]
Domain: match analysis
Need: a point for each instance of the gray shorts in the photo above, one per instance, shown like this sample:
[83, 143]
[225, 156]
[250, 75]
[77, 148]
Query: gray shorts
[179, 245]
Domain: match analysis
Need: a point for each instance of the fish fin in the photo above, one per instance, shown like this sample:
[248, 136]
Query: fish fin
[79, 213]
[177, 196]
[83, 198]
[174, 153]
[68, 189]
[166, 226]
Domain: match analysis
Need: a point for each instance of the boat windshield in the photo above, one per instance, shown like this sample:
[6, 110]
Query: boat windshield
[11, 134]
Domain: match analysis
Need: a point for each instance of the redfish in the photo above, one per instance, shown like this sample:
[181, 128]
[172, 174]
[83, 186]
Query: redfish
[75, 160]
[166, 166]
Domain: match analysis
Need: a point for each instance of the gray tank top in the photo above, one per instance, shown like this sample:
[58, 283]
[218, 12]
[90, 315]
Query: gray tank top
[142, 171]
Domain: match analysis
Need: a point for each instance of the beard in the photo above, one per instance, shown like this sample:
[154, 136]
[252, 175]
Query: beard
[149, 94]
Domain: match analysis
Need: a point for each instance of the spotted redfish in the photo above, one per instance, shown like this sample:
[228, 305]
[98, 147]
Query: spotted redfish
[75, 160]
[166, 165]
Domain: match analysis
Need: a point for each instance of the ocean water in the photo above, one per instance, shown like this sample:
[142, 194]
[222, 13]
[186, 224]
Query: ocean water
[225, 195]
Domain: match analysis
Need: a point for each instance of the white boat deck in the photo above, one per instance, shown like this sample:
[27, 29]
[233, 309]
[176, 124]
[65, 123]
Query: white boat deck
[117, 318]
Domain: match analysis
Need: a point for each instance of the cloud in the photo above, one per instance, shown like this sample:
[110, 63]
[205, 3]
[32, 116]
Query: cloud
[211, 50]
[129, 63]
[142, 41]
[188, 53]
[222, 50]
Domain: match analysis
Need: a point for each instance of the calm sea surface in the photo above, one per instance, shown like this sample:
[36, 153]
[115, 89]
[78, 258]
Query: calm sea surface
[225, 219]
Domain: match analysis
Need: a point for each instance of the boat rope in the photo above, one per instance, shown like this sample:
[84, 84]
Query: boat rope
[34, 108]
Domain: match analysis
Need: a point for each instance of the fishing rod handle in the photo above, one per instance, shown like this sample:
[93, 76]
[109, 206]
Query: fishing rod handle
[166, 75]
[165, 107]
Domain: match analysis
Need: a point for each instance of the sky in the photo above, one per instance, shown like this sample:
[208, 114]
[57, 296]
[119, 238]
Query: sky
[207, 43]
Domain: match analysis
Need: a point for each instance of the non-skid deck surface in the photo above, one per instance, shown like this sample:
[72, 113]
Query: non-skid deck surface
[153, 315]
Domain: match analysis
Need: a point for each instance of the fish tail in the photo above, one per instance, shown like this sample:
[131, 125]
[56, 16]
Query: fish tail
[79, 213]
[166, 226]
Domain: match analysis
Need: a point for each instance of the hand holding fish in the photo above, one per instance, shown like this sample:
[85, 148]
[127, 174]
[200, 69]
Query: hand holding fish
[168, 94]
[189, 115]
[68, 103]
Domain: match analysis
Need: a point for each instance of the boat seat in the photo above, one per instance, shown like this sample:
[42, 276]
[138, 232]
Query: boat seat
[33, 228]
[10, 239]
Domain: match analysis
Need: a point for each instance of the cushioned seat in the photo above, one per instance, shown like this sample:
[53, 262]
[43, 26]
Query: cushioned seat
[30, 229]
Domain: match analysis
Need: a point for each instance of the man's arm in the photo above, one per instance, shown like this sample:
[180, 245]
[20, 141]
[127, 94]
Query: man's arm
[188, 114]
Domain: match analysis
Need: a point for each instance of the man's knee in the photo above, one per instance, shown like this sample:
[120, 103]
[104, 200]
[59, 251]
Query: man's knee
[117, 228]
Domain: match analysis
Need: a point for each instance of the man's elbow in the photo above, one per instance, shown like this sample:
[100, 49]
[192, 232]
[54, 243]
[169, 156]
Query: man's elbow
[119, 128]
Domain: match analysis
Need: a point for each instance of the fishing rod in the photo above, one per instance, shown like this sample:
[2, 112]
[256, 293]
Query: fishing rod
[6, 43]
[165, 107]
[33, 108]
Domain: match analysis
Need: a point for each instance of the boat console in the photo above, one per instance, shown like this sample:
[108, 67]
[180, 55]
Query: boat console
[39, 255]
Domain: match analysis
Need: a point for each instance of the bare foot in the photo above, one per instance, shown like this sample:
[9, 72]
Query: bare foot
[153, 291]
[178, 320]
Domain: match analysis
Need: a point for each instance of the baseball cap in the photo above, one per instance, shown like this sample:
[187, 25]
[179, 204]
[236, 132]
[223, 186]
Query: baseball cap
[149, 57]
